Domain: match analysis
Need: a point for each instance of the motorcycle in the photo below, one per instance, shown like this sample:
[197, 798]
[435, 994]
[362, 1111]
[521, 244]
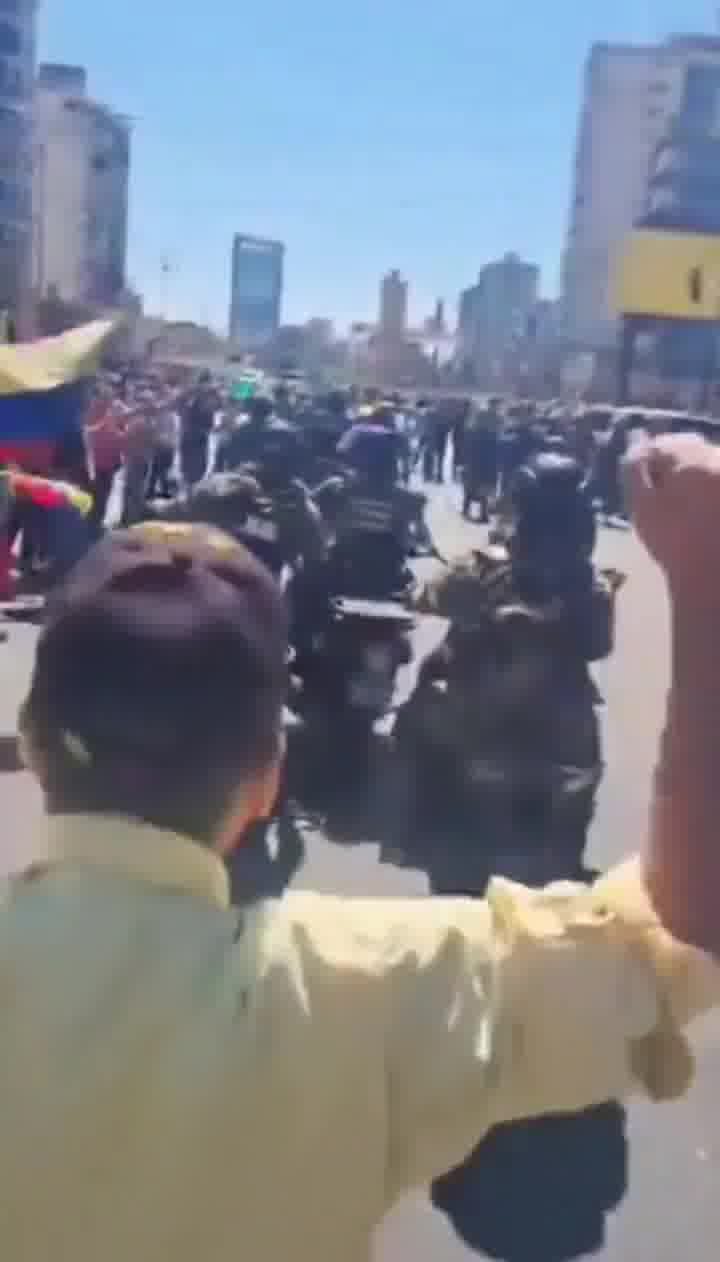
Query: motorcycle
[502, 732]
[346, 675]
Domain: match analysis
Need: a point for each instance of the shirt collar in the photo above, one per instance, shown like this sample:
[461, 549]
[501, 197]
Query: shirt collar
[133, 849]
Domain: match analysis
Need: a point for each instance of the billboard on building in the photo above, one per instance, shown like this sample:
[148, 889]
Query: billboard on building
[670, 275]
[256, 290]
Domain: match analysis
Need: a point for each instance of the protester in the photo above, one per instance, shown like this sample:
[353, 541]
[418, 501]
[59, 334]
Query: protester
[198, 418]
[436, 434]
[107, 444]
[64, 511]
[139, 446]
[459, 431]
[166, 434]
[480, 459]
[315, 1053]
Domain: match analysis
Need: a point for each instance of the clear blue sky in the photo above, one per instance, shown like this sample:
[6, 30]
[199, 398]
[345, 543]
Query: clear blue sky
[429, 135]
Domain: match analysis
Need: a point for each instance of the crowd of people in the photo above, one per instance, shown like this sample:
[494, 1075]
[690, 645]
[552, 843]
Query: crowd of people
[143, 438]
[174, 1068]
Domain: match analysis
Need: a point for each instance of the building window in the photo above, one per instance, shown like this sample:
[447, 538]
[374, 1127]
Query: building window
[10, 42]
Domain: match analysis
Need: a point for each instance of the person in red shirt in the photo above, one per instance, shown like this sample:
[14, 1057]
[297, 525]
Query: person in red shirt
[107, 442]
[66, 510]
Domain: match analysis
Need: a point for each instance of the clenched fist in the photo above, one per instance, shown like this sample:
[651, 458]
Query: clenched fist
[674, 492]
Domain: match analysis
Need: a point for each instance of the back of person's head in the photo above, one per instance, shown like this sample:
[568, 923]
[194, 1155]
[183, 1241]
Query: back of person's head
[159, 681]
[547, 475]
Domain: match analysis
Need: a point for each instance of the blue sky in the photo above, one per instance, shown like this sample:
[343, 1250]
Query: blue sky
[386, 133]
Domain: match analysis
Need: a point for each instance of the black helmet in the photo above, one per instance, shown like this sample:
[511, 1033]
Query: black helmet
[549, 499]
[550, 475]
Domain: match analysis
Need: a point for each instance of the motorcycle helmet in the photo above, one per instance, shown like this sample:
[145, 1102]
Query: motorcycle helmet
[371, 452]
[551, 505]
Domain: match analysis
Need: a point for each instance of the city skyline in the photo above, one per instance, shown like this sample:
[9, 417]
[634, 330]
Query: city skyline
[256, 290]
[436, 163]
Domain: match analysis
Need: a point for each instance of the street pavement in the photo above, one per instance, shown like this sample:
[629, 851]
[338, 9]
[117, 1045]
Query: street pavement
[668, 1203]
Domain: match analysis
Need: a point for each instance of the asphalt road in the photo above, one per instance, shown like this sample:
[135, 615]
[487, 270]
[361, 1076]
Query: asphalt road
[665, 1188]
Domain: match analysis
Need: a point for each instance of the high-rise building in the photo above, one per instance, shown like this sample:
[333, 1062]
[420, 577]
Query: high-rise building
[641, 104]
[256, 290]
[494, 313]
[684, 175]
[17, 78]
[435, 324]
[393, 306]
[82, 168]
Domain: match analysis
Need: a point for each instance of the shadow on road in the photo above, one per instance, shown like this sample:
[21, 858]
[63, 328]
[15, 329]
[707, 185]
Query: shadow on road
[538, 1191]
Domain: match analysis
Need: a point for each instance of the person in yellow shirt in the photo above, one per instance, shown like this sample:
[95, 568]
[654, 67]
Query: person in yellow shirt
[184, 1079]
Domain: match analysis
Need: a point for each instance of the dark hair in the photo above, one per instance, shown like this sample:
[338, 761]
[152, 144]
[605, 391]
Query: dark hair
[125, 718]
[191, 797]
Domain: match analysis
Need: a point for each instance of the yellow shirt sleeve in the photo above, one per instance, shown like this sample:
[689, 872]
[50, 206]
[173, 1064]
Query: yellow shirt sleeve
[528, 1002]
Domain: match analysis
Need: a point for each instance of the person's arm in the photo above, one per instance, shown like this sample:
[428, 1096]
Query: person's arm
[685, 881]
[674, 485]
[489, 1011]
[41, 492]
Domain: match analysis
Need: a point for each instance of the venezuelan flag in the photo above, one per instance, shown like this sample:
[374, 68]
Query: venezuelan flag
[43, 387]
